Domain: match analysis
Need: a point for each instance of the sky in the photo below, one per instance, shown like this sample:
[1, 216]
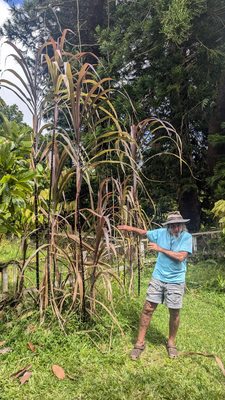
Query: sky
[15, 2]
[9, 97]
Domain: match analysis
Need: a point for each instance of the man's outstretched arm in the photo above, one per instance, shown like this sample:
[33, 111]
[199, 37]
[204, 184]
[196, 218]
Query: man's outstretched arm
[129, 228]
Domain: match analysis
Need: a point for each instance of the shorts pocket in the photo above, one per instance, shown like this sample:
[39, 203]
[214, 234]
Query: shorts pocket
[155, 284]
[155, 292]
[174, 296]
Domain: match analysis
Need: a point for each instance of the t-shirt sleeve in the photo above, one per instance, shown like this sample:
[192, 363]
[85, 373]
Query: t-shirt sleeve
[186, 244]
[153, 235]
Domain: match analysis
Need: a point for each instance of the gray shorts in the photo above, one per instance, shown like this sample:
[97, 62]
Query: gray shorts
[171, 294]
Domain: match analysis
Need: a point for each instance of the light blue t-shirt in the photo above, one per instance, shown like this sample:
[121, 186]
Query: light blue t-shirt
[167, 269]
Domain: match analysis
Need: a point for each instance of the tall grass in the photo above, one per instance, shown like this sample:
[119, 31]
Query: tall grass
[92, 156]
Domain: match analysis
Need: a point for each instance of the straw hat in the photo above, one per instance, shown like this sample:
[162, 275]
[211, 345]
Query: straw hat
[175, 217]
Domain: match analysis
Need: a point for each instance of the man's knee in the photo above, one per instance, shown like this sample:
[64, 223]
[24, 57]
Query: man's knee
[149, 308]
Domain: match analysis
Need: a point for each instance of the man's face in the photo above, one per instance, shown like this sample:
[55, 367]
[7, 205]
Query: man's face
[175, 229]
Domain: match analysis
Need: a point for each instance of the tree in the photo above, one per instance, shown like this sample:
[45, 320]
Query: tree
[36, 20]
[12, 113]
[170, 61]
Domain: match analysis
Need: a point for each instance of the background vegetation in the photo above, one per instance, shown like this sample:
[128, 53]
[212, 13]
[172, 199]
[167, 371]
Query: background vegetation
[127, 104]
[170, 62]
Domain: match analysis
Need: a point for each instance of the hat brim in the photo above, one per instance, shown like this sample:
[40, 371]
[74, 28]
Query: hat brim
[176, 221]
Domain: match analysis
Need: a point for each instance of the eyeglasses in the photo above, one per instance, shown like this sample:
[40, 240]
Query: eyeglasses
[174, 225]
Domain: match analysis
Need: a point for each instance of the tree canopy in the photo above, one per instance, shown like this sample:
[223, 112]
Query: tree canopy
[169, 62]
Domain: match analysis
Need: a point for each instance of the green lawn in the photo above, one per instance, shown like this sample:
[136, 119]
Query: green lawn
[96, 357]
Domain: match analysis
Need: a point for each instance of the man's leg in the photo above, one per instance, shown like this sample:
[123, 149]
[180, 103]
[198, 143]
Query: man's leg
[154, 296]
[173, 328]
[173, 300]
[145, 320]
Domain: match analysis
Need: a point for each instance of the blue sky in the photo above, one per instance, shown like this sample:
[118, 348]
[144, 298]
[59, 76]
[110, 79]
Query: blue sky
[15, 1]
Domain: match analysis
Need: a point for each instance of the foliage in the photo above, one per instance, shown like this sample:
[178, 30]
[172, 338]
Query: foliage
[12, 113]
[36, 20]
[177, 20]
[219, 211]
[217, 180]
[16, 179]
[170, 61]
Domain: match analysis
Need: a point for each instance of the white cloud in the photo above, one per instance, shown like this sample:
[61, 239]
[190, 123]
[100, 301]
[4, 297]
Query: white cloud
[8, 62]
[4, 11]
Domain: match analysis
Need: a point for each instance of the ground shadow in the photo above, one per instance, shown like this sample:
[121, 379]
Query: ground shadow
[153, 336]
[132, 316]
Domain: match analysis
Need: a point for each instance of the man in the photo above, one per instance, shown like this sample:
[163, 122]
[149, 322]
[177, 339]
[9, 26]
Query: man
[173, 244]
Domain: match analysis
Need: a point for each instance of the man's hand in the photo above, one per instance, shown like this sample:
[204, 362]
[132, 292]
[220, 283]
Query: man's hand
[176, 255]
[153, 246]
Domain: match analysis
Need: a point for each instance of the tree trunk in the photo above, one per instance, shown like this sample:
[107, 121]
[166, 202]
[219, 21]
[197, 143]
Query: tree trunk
[189, 206]
[216, 119]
